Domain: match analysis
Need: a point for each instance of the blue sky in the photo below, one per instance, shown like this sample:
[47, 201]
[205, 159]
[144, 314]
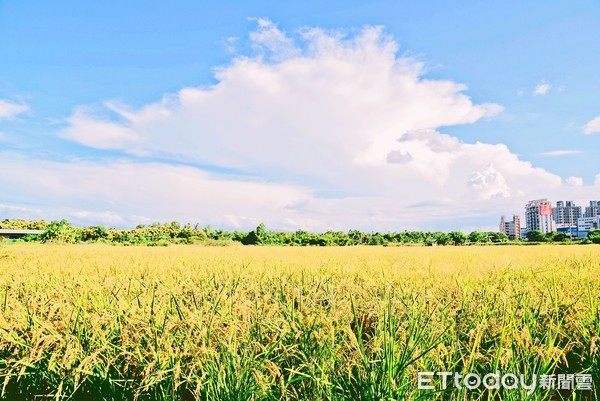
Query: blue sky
[195, 94]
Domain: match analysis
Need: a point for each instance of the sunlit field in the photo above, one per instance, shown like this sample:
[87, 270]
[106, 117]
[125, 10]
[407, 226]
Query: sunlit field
[97, 322]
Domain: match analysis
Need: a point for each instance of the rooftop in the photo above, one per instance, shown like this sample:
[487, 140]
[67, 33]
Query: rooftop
[19, 232]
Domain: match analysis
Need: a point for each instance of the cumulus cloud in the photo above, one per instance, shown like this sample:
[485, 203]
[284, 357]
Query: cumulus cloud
[330, 130]
[542, 89]
[339, 102]
[9, 110]
[268, 37]
[396, 156]
[574, 181]
[593, 127]
[489, 183]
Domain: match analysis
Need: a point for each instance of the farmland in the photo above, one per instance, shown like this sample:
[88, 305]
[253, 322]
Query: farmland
[93, 322]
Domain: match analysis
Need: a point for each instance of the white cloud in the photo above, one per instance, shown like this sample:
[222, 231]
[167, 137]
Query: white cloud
[106, 217]
[561, 152]
[593, 127]
[574, 181]
[341, 103]
[11, 211]
[9, 110]
[489, 183]
[270, 38]
[542, 89]
[342, 131]
[92, 131]
[231, 44]
[124, 193]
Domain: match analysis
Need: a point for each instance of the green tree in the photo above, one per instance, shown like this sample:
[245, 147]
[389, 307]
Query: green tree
[442, 238]
[536, 236]
[94, 233]
[60, 231]
[476, 236]
[557, 237]
[457, 237]
[594, 236]
[258, 236]
[497, 237]
[377, 239]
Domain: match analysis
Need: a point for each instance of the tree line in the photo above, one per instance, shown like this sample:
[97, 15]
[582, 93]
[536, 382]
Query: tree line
[163, 234]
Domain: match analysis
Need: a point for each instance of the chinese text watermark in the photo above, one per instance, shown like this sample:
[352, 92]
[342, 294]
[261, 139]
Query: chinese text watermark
[506, 381]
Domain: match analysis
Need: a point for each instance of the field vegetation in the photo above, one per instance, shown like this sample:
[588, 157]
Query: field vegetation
[165, 234]
[97, 322]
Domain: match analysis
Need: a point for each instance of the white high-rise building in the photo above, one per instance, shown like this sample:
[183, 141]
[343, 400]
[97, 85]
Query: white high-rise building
[538, 216]
[593, 209]
[511, 228]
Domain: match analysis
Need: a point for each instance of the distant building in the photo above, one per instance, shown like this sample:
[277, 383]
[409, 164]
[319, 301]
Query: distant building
[511, 228]
[593, 210]
[570, 231]
[10, 234]
[565, 214]
[587, 224]
[538, 216]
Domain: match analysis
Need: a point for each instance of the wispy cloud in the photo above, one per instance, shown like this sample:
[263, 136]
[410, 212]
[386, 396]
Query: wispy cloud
[593, 127]
[561, 152]
[542, 89]
[9, 110]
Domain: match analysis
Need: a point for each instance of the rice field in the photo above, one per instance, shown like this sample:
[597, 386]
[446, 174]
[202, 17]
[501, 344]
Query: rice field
[97, 322]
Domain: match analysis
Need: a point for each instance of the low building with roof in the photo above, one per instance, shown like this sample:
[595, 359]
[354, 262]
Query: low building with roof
[13, 234]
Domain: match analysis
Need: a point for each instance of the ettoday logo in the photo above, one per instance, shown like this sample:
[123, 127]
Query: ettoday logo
[507, 381]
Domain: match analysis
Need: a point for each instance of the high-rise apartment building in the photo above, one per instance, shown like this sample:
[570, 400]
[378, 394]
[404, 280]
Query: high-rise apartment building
[538, 216]
[511, 228]
[565, 214]
[517, 225]
[593, 210]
